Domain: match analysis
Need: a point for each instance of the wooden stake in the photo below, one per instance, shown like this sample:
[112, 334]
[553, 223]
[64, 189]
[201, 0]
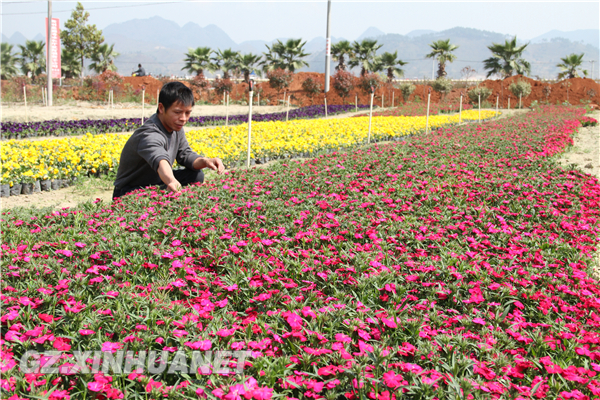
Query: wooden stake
[427, 120]
[497, 99]
[287, 111]
[509, 102]
[227, 111]
[25, 98]
[393, 95]
[356, 102]
[370, 117]
[460, 109]
[520, 94]
[249, 129]
[325, 107]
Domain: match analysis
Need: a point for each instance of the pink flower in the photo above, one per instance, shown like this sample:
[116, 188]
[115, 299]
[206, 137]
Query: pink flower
[392, 379]
[112, 347]
[199, 345]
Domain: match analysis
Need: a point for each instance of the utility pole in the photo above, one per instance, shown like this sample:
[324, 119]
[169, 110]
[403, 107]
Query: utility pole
[49, 59]
[328, 49]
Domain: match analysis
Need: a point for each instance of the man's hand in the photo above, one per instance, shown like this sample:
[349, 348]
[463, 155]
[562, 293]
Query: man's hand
[166, 175]
[213, 163]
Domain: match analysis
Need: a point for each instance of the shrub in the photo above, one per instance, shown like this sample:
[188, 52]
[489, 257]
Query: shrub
[406, 89]
[279, 79]
[111, 79]
[222, 85]
[369, 82]
[343, 83]
[479, 91]
[521, 88]
[312, 88]
[442, 86]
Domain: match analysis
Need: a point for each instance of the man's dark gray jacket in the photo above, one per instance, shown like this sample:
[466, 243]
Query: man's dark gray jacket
[149, 144]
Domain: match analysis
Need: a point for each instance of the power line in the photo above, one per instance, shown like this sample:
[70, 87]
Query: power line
[96, 8]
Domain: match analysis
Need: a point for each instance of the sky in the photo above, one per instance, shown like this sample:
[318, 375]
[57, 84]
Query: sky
[268, 20]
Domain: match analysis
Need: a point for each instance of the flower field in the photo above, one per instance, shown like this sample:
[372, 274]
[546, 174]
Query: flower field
[15, 130]
[444, 266]
[28, 161]
[415, 109]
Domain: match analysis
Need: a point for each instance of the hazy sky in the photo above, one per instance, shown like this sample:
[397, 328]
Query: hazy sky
[267, 20]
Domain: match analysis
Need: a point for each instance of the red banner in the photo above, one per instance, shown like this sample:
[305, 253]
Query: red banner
[54, 47]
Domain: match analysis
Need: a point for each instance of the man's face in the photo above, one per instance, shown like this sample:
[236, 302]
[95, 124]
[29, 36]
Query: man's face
[175, 117]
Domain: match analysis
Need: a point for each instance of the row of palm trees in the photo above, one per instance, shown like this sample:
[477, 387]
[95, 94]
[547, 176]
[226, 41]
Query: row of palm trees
[506, 60]
[31, 60]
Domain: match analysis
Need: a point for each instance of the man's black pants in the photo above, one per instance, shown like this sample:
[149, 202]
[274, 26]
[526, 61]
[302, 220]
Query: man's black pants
[184, 176]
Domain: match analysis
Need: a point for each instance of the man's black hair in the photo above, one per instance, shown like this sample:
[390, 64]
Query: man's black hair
[139, 65]
[174, 92]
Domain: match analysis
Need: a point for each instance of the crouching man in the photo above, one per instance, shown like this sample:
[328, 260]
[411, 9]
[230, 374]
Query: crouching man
[149, 154]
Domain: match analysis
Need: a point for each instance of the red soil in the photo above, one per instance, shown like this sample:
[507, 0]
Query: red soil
[574, 90]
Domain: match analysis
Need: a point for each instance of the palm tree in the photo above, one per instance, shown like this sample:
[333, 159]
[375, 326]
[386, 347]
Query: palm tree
[246, 64]
[506, 59]
[8, 61]
[339, 51]
[197, 60]
[288, 56]
[364, 55]
[103, 59]
[33, 58]
[70, 65]
[442, 51]
[390, 63]
[569, 66]
[225, 60]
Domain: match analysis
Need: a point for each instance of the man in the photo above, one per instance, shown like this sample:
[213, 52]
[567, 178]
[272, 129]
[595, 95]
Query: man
[149, 154]
[140, 71]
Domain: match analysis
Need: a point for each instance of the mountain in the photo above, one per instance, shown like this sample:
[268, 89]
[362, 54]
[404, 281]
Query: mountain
[587, 36]
[419, 32]
[15, 39]
[160, 46]
[370, 33]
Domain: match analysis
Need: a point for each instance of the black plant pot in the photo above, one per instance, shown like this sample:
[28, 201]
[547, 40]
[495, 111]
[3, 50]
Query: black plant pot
[55, 184]
[5, 190]
[27, 188]
[46, 185]
[15, 190]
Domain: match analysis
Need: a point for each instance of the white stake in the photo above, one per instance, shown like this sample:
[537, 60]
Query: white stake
[249, 126]
[427, 120]
[356, 102]
[287, 112]
[227, 111]
[509, 102]
[497, 99]
[25, 98]
[370, 117]
[143, 95]
[460, 109]
[393, 95]
[325, 107]
[520, 101]
[382, 100]
[479, 100]
[258, 101]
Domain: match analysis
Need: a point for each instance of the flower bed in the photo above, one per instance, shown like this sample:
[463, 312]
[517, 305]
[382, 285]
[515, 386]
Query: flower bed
[453, 265]
[417, 109]
[65, 159]
[14, 130]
